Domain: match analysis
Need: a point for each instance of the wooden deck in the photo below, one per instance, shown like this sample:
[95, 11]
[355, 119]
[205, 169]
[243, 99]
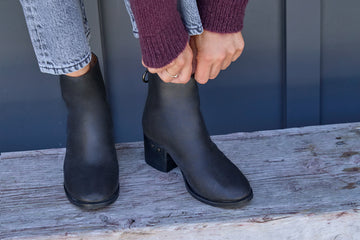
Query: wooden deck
[306, 184]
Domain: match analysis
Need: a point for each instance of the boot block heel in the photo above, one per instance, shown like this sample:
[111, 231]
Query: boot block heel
[157, 157]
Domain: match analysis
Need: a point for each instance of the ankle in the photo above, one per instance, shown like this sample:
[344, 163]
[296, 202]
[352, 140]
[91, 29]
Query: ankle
[80, 72]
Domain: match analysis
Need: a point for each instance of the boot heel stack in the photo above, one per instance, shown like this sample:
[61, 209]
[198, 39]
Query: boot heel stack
[157, 157]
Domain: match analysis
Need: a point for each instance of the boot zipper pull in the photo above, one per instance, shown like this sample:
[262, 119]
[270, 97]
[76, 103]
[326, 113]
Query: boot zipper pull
[144, 76]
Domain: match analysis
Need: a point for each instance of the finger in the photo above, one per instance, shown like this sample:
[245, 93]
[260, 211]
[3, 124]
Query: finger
[187, 70]
[226, 63]
[164, 76]
[174, 70]
[236, 55]
[202, 71]
[157, 70]
[185, 75]
[215, 70]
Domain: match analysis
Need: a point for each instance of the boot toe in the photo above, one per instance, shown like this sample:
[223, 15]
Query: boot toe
[223, 197]
[91, 185]
[92, 201]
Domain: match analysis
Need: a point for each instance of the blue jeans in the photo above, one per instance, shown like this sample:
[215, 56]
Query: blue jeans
[189, 14]
[59, 31]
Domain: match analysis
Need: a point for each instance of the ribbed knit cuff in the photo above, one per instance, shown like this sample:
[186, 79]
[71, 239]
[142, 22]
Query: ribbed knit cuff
[161, 32]
[162, 48]
[222, 16]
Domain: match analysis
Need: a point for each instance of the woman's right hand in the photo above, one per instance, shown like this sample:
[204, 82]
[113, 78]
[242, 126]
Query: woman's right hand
[179, 70]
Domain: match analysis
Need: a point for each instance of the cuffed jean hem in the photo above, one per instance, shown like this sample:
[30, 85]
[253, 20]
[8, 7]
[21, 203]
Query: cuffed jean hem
[195, 31]
[59, 33]
[136, 34]
[67, 69]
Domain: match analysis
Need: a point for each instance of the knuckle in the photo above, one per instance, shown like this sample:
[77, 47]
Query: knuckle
[180, 62]
[232, 51]
[222, 57]
[241, 47]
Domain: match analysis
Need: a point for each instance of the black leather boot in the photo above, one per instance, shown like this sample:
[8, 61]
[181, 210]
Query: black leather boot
[91, 173]
[175, 135]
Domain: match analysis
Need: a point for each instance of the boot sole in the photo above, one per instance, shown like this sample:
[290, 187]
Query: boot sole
[228, 204]
[92, 205]
[157, 157]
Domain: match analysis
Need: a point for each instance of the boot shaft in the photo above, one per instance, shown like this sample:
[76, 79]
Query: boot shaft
[79, 90]
[172, 113]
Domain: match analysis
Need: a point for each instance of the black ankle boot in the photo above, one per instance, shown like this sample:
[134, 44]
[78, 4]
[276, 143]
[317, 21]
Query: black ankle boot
[175, 135]
[91, 173]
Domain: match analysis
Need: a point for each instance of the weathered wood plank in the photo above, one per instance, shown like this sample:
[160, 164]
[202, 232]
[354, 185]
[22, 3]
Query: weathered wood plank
[304, 177]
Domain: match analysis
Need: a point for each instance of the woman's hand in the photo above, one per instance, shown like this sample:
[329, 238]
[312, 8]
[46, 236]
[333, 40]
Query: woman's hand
[179, 70]
[214, 52]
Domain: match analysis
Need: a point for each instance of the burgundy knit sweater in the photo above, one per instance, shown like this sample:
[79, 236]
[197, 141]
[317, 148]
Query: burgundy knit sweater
[161, 31]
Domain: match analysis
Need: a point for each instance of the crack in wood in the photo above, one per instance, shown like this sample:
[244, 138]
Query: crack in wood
[350, 186]
[266, 219]
[352, 169]
[349, 154]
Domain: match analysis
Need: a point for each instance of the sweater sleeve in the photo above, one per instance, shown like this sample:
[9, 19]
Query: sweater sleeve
[162, 34]
[222, 16]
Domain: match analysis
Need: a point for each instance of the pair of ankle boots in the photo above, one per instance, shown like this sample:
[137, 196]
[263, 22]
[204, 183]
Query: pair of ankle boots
[174, 135]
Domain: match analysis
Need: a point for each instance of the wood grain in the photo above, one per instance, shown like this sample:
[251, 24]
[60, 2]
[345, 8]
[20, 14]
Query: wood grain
[306, 184]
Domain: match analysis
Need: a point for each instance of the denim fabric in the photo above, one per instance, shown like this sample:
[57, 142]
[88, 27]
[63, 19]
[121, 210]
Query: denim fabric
[59, 33]
[189, 14]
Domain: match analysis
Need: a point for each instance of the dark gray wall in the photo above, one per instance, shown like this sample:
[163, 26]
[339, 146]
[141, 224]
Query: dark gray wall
[340, 65]
[299, 67]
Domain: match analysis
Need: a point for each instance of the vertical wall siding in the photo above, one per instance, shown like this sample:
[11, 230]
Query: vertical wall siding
[299, 67]
[302, 62]
[340, 68]
[32, 115]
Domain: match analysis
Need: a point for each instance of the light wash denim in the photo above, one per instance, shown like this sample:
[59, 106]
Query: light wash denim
[189, 13]
[60, 33]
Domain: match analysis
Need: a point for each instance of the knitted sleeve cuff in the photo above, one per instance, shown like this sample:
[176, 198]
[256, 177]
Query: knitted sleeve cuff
[222, 16]
[162, 48]
[161, 32]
